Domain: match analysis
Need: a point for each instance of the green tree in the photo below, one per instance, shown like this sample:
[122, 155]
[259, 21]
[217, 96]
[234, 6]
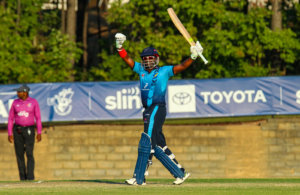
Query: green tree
[237, 43]
[31, 49]
[291, 19]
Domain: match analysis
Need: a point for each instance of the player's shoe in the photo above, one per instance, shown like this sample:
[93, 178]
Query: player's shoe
[179, 181]
[132, 181]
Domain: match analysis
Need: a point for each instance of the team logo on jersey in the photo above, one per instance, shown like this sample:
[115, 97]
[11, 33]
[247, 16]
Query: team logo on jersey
[62, 102]
[181, 98]
[146, 85]
[143, 75]
[29, 105]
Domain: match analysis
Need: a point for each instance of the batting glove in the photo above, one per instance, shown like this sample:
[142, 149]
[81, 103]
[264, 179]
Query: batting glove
[120, 39]
[199, 47]
[194, 53]
[196, 50]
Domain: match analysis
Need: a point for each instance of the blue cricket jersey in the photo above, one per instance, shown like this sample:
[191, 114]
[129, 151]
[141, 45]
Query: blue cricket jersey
[153, 85]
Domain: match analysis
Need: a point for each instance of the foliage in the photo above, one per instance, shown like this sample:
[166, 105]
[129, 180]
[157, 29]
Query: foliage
[31, 49]
[112, 71]
[54, 58]
[291, 19]
[236, 43]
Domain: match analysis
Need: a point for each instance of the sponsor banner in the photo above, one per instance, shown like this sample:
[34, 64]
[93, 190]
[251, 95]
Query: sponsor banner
[86, 101]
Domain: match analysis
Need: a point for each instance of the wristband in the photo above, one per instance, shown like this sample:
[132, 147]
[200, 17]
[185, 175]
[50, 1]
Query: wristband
[122, 53]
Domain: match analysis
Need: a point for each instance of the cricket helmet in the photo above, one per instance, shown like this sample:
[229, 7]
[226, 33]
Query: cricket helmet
[150, 58]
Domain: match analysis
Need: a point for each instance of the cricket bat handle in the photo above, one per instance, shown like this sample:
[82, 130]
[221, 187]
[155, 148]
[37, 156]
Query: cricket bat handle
[203, 58]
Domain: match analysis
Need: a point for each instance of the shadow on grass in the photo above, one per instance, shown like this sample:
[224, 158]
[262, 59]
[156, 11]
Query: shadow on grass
[216, 180]
[170, 181]
[115, 181]
[122, 181]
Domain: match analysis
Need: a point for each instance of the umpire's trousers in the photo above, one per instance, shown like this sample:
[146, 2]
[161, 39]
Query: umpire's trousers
[24, 138]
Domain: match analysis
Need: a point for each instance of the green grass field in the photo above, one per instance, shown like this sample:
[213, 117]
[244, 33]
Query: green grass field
[155, 186]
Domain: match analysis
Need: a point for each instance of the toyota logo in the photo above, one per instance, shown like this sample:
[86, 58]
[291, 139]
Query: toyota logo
[182, 98]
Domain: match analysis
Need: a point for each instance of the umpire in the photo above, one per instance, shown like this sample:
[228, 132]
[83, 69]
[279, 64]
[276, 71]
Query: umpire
[23, 115]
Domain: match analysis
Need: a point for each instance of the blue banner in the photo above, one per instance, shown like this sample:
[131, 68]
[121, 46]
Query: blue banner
[87, 101]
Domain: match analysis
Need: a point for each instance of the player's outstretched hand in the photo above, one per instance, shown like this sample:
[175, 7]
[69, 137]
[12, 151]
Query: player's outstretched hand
[196, 50]
[120, 39]
[199, 47]
[194, 53]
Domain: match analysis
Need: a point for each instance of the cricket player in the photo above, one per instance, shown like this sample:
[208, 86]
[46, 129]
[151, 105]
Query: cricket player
[153, 84]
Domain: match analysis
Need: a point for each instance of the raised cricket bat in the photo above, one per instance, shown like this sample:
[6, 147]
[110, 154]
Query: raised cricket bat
[183, 31]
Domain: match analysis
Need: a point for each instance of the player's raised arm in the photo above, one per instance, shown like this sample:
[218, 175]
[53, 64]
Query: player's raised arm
[120, 39]
[195, 50]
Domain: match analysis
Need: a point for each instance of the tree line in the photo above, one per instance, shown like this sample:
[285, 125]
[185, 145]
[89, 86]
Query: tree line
[74, 41]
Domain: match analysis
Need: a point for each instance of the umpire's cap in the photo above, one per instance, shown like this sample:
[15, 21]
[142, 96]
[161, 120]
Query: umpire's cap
[23, 88]
[149, 51]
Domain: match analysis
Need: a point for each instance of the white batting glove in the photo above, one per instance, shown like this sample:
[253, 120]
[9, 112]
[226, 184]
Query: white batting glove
[199, 47]
[196, 50]
[194, 53]
[120, 39]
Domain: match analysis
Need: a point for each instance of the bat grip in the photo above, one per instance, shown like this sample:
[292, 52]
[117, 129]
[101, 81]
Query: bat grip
[203, 58]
